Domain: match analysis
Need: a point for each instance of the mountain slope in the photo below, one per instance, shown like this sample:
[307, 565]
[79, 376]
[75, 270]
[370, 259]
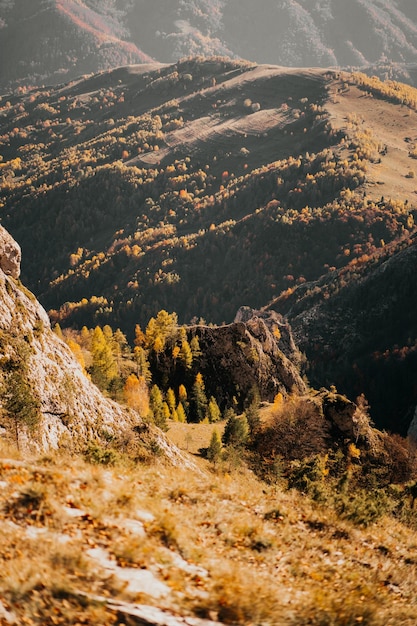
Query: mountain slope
[201, 186]
[47, 42]
[149, 546]
[158, 180]
[46, 400]
[358, 331]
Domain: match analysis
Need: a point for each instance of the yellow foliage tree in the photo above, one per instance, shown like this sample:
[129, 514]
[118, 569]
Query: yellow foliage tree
[137, 394]
[78, 353]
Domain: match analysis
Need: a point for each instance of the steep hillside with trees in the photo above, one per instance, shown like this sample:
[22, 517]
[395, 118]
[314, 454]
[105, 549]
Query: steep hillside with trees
[46, 400]
[357, 329]
[201, 186]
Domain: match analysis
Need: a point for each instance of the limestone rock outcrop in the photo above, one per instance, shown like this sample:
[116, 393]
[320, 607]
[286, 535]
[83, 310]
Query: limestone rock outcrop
[71, 410]
[255, 351]
[10, 254]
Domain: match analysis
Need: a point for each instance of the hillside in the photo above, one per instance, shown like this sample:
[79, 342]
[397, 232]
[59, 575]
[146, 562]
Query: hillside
[49, 42]
[83, 544]
[57, 40]
[47, 402]
[201, 186]
[158, 180]
[357, 330]
[302, 514]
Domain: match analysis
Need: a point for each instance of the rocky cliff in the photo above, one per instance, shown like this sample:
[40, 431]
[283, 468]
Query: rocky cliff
[255, 351]
[42, 384]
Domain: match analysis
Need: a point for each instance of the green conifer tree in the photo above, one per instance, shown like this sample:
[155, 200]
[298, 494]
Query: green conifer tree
[156, 403]
[213, 411]
[18, 397]
[214, 451]
[198, 403]
[236, 431]
[253, 402]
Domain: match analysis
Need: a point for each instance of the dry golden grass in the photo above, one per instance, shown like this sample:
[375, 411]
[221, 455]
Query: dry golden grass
[192, 437]
[227, 546]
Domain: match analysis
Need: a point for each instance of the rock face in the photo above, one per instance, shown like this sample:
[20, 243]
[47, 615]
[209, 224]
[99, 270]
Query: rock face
[256, 351]
[10, 254]
[69, 409]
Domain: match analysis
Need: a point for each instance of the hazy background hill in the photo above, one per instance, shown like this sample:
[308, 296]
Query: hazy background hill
[49, 41]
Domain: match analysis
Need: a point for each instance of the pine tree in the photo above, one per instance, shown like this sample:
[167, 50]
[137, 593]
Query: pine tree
[140, 339]
[186, 355]
[213, 411]
[195, 347]
[21, 403]
[236, 431]
[253, 401]
[181, 415]
[166, 412]
[156, 406]
[78, 353]
[18, 397]
[103, 368]
[142, 364]
[198, 404]
[214, 451]
[85, 338]
[161, 329]
[170, 400]
[182, 394]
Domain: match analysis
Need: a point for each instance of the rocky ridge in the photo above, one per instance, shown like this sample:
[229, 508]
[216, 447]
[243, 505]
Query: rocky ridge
[255, 351]
[70, 409]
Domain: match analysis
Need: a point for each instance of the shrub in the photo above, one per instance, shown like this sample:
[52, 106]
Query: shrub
[99, 455]
[298, 430]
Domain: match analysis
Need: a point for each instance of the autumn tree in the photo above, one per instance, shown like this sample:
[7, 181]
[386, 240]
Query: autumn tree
[142, 364]
[140, 338]
[181, 414]
[161, 329]
[156, 403]
[103, 368]
[186, 355]
[195, 347]
[77, 352]
[171, 400]
[213, 411]
[198, 402]
[137, 394]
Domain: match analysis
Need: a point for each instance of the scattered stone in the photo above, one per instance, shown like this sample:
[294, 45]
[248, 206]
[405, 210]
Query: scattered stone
[149, 614]
[7, 616]
[137, 580]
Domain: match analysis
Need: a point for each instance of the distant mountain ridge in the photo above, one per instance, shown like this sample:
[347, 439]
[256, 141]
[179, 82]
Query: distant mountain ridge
[49, 41]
